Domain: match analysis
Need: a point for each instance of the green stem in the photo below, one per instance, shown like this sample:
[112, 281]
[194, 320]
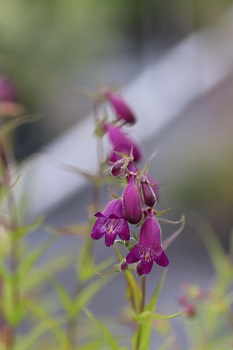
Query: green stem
[142, 308]
[7, 161]
[72, 322]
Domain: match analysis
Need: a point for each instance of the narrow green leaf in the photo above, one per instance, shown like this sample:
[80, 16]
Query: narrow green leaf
[28, 340]
[151, 306]
[86, 295]
[146, 316]
[133, 293]
[63, 295]
[212, 244]
[43, 272]
[7, 301]
[30, 260]
[79, 230]
[108, 337]
[4, 272]
[92, 344]
[47, 323]
[13, 124]
[85, 261]
[23, 230]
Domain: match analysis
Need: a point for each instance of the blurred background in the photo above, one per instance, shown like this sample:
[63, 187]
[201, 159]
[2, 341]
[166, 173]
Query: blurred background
[174, 62]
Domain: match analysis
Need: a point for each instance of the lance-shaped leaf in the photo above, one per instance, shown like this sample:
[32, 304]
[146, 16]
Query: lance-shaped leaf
[86, 295]
[47, 323]
[30, 260]
[134, 292]
[38, 275]
[15, 123]
[21, 231]
[146, 316]
[108, 337]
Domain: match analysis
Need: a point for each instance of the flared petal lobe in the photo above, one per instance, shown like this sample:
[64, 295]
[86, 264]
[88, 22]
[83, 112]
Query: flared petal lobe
[111, 223]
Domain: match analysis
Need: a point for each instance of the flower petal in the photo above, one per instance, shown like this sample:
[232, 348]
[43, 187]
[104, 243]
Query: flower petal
[146, 266]
[123, 230]
[109, 238]
[162, 259]
[98, 228]
[134, 255]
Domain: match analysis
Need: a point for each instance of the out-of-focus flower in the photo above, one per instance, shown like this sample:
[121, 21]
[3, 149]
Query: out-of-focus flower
[121, 143]
[111, 223]
[149, 248]
[132, 207]
[8, 91]
[9, 105]
[122, 110]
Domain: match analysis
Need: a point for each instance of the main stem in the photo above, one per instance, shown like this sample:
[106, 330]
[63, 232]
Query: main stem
[7, 161]
[72, 322]
[142, 308]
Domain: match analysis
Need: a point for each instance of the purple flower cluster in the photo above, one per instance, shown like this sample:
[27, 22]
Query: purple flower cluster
[138, 199]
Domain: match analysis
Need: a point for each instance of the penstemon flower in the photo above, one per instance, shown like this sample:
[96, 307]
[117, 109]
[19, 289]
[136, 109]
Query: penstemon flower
[138, 199]
[121, 143]
[149, 248]
[123, 111]
[111, 223]
[132, 206]
[8, 91]
[9, 105]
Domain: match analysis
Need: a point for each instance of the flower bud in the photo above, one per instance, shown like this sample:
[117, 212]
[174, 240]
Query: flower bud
[124, 266]
[148, 193]
[139, 270]
[132, 208]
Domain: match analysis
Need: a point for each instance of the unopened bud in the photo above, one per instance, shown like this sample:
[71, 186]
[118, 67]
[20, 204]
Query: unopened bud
[124, 266]
[148, 193]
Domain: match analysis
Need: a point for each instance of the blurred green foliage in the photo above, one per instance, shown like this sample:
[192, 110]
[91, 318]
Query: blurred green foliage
[41, 41]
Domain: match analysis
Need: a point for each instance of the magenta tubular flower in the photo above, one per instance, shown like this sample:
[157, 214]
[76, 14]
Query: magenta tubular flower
[111, 223]
[8, 91]
[121, 143]
[132, 207]
[147, 192]
[149, 248]
[121, 108]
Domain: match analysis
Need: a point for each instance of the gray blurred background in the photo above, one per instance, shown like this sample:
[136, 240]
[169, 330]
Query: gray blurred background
[174, 62]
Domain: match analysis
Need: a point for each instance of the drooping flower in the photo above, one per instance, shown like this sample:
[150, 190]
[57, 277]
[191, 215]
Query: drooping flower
[111, 223]
[121, 143]
[132, 207]
[9, 105]
[123, 111]
[149, 248]
[148, 194]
